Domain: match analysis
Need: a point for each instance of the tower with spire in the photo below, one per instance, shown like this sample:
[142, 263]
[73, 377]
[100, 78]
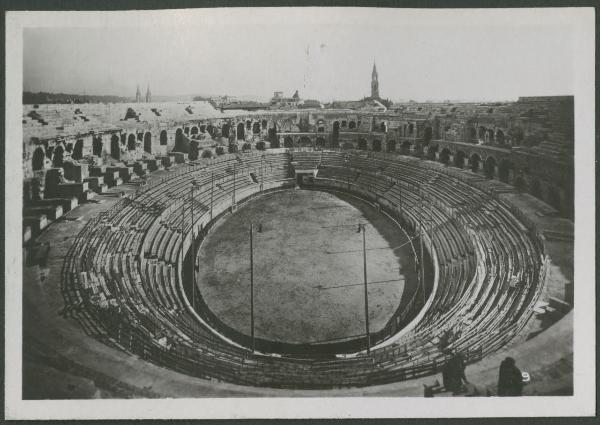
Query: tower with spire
[138, 95]
[148, 94]
[374, 83]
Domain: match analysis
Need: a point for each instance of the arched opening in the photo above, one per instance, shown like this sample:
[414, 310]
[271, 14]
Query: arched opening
[362, 144]
[148, 142]
[288, 142]
[427, 135]
[38, 158]
[320, 142]
[256, 128]
[335, 134]
[248, 124]
[264, 124]
[305, 141]
[57, 160]
[163, 137]
[194, 131]
[472, 134]
[131, 142]
[115, 148]
[475, 161]
[211, 129]
[490, 136]
[383, 127]
[459, 159]
[536, 189]
[431, 151]
[352, 125]
[272, 137]
[500, 137]
[391, 146]
[78, 150]
[179, 141]
[445, 156]
[240, 131]
[97, 146]
[503, 170]
[376, 145]
[194, 151]
[481, 133]
[225, 130]
[489, 167]
[411, 129]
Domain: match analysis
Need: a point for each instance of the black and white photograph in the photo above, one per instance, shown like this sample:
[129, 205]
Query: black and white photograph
[289, 212]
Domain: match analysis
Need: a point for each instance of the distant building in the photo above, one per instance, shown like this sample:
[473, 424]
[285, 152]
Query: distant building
[280, 102]
[374, 83]
[138, 95]
[148, 95]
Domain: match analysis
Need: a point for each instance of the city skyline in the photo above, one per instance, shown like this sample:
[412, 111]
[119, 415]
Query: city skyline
[221, 52]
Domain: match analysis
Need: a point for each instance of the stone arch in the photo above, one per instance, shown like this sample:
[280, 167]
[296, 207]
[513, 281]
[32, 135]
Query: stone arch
[431, 151]
[163, 137]
[225, 130]
[78, 150]
[38, 159]
[459, 159]
[391, 146]
[305, 141]
[383, 127]
[503, 170]
[376, 145]
[288, 142]
[427, 135]
[500, 137]
[256, 127]
[475, 162]
[179, 140]
[405, 149]
[352, 125]
[240, 131]
[489, 167]
[445, 156]
[194, 150]
[194, 130]
[131, 142]
[148, 142]
[264, 124]
[490, 136]
[335, 134]
[481, 132]
[57, 160]
[97, 146]
[320, 142]
[115, 148]
[362, 144]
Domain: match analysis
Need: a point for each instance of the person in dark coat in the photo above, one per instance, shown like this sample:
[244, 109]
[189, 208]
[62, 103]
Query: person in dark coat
[510, 381]
[453, 373]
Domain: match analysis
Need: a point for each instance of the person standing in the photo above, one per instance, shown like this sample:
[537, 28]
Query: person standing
[510, 380]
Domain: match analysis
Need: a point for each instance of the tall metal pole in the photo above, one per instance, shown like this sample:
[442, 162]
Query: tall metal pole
[421, 248]
[193, 251]
[252, 287]
[212, 189]
[363, 228]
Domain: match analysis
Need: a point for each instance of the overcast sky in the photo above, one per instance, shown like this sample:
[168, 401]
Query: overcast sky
[324, 53]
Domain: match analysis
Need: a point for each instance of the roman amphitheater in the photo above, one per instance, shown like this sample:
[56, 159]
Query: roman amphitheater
[178, 250]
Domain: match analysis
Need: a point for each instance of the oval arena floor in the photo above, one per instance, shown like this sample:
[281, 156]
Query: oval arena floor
[111, 292]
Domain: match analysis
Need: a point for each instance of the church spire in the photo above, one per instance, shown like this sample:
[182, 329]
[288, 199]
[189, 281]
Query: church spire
[148, 94]
[374, 82]
[138, 94]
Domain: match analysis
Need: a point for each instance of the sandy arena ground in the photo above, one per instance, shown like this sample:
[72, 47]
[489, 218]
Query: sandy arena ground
[308, 267]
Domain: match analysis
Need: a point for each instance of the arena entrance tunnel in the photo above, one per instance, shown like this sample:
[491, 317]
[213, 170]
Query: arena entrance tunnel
[237, 329]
